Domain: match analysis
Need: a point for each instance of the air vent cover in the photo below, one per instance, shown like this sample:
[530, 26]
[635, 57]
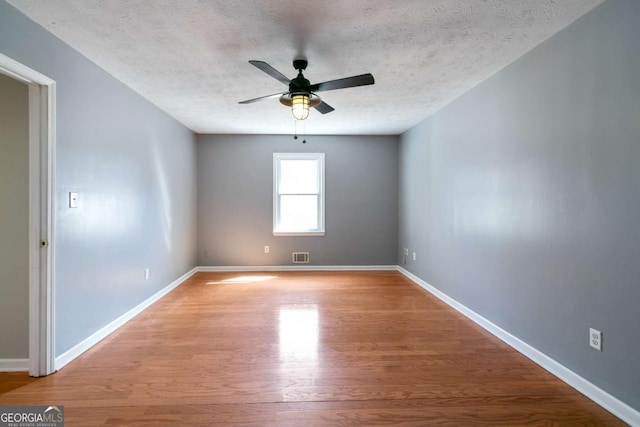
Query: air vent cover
[300, 257]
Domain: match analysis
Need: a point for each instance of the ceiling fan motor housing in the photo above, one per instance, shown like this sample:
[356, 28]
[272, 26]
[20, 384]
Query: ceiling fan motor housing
[299, 84]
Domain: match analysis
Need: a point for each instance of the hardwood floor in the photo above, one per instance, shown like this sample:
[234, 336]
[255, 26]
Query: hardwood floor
[304, 349]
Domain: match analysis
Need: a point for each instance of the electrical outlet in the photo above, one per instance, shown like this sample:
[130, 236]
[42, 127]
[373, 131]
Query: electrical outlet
[266, 249]
[595, 339]
[405, 251]
[206, 253]
[414, 256]
[146, 274]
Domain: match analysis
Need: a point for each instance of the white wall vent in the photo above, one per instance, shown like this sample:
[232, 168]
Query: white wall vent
[300, 257]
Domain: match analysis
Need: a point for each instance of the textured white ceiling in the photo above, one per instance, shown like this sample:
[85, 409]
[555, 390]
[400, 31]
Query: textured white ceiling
[189, 57]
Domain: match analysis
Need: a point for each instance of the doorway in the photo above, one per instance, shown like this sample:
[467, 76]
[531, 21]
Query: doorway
[39, 249]
[14, 223]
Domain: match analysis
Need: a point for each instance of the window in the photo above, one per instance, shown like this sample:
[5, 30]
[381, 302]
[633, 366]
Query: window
[298, 194]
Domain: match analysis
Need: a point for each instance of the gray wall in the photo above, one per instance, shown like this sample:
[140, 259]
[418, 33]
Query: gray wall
[521, 198]
[235, 200]
[14, 219]
[134, 167]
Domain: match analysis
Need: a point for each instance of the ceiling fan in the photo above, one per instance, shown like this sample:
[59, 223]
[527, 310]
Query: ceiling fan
[301, 94]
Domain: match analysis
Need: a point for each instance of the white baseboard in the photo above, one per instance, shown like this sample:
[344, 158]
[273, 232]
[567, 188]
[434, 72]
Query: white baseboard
[14, 365]
[241, 268]
[98, 336]
[593, 392]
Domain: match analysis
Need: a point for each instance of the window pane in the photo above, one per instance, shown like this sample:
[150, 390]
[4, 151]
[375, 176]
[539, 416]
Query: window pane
[298, 213]
[298, 176]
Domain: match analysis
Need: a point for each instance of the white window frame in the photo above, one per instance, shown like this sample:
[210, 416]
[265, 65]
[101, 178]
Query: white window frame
[277, 157]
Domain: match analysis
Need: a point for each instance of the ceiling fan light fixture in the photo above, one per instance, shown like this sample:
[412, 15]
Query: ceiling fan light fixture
[300, 106]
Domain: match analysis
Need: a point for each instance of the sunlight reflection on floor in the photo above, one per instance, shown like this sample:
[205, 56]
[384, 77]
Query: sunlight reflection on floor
[244, 279]
[299, 332]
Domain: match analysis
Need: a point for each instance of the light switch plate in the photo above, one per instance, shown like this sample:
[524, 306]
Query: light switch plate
[73, 199]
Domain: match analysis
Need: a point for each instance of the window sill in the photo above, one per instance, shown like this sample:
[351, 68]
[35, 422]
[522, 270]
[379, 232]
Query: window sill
[298, 233]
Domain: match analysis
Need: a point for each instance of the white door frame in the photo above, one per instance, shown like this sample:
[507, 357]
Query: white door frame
[42, 133]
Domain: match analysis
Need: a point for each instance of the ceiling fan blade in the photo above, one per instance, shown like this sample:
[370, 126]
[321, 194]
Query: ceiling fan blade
[251, 101]
[271, 71]
[324, 108]
[361, 80]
